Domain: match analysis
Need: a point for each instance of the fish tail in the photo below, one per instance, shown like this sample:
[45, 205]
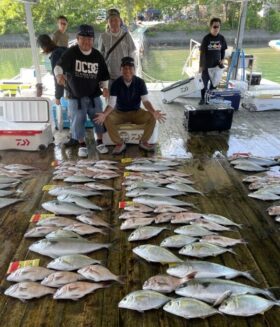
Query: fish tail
[249, 276]
[121, 279]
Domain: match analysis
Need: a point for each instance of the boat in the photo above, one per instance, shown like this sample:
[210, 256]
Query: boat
[274, 44]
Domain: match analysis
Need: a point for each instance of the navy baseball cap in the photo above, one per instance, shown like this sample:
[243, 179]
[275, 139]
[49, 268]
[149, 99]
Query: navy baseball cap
[85, 30]
[127, 61]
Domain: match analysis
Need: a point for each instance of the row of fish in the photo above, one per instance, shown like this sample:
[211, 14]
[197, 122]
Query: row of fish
[11, 176]
[196, 281]
[64, 241]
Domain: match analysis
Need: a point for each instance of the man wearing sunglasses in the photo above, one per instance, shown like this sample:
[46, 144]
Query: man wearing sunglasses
[60, 37]
[212, 53]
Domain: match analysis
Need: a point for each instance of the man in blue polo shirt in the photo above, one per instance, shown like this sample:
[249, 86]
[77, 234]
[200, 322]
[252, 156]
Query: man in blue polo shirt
[127, 92]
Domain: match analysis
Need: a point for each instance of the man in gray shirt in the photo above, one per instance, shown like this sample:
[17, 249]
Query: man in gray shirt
[125, 47]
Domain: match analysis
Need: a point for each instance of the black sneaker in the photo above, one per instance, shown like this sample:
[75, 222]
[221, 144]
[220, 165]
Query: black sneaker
[201, 102]
[71, 142]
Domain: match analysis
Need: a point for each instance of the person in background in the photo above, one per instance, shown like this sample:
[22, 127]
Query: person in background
[54, 52]
[60, 37]
[212, 54]
[83, 69]
[115, 44]
[127, 92]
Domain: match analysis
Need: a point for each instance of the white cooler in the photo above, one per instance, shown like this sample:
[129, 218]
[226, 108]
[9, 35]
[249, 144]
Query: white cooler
[182, 89]
[131, 134]
[25, 124]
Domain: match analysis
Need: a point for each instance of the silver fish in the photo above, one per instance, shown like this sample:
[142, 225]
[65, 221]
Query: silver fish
[178, 179]
[73, 191]
[76, 290]
[28, 290]
[79, 201]
[141, 185]
[155, 201]
[145, 233]
[221, 240]
[168, 208]
[61, 233]
[93, 219]
[30, 274]
[185, 217]
[155, 253]
[189, 308]
[60, 278]
[164, 283]
[99, 186]
[8, 180]
[193, 230]
[164, 217]
[249, 166]
[59, 247]
[183, 188]
[40, 231]
[131, 214]
[71, 262]
[210, 225]
[78, 179]
[147, 167]
[132, 223]
[84, 229]
[246, 305]
[177, 241]
[19, 166]
[155, 191]
[4, 202]
[218, 219]
[4, 193]
[143, 300]
[8, 185]
[55, 222]
[138, 207]
[206, 269]
[264, 195]
[170, 173]
[63, 208]
[264, 162]
[214, 291]
[99, 273]
[203, 249]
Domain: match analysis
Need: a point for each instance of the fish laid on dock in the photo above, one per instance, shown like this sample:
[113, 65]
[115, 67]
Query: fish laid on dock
[72, 262]
[99, 273]
[29, 274]
[28, 290]
[60, 278]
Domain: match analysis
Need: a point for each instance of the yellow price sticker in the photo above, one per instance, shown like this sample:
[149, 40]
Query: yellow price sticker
[48, 187]
[126, 174]
[126, 160]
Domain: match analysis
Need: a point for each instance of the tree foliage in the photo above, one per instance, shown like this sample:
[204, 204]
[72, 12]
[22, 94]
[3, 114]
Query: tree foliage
[12, 16]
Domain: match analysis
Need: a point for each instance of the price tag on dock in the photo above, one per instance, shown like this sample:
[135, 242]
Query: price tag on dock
[48, 187]
[126, 160]
[38, 216]
[13, 266]
[123, 204]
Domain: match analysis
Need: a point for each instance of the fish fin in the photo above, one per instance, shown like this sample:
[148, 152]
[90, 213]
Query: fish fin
[221, 298]
[231, 251]
[248, 275]
[188, 277]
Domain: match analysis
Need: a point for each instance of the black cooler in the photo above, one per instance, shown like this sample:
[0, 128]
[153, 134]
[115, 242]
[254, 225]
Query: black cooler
[205, 118]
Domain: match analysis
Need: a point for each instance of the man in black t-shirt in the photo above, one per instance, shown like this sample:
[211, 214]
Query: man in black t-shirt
[82, 69]
[212, 54]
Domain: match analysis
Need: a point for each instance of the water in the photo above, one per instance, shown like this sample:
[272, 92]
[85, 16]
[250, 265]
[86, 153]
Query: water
[160, 64]
[166, 64]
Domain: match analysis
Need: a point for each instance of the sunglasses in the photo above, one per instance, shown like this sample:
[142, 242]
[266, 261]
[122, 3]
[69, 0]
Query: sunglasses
[216, 26]
[61, 23]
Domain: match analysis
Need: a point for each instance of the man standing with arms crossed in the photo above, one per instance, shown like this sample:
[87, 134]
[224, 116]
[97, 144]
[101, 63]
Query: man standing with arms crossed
[83, 69]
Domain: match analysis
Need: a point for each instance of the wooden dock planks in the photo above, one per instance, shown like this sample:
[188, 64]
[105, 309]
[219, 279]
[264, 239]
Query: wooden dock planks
[224, 192]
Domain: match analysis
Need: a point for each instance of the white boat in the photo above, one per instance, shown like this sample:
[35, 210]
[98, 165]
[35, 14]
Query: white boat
[274, 44]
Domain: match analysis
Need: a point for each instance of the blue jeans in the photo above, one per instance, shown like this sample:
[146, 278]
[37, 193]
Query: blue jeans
[78, 116]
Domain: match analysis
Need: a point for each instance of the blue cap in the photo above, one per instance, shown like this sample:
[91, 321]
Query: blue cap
[86, 30]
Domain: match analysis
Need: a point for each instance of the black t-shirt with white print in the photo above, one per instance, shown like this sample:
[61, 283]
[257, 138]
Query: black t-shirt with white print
[212, 50]
[84, 72]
